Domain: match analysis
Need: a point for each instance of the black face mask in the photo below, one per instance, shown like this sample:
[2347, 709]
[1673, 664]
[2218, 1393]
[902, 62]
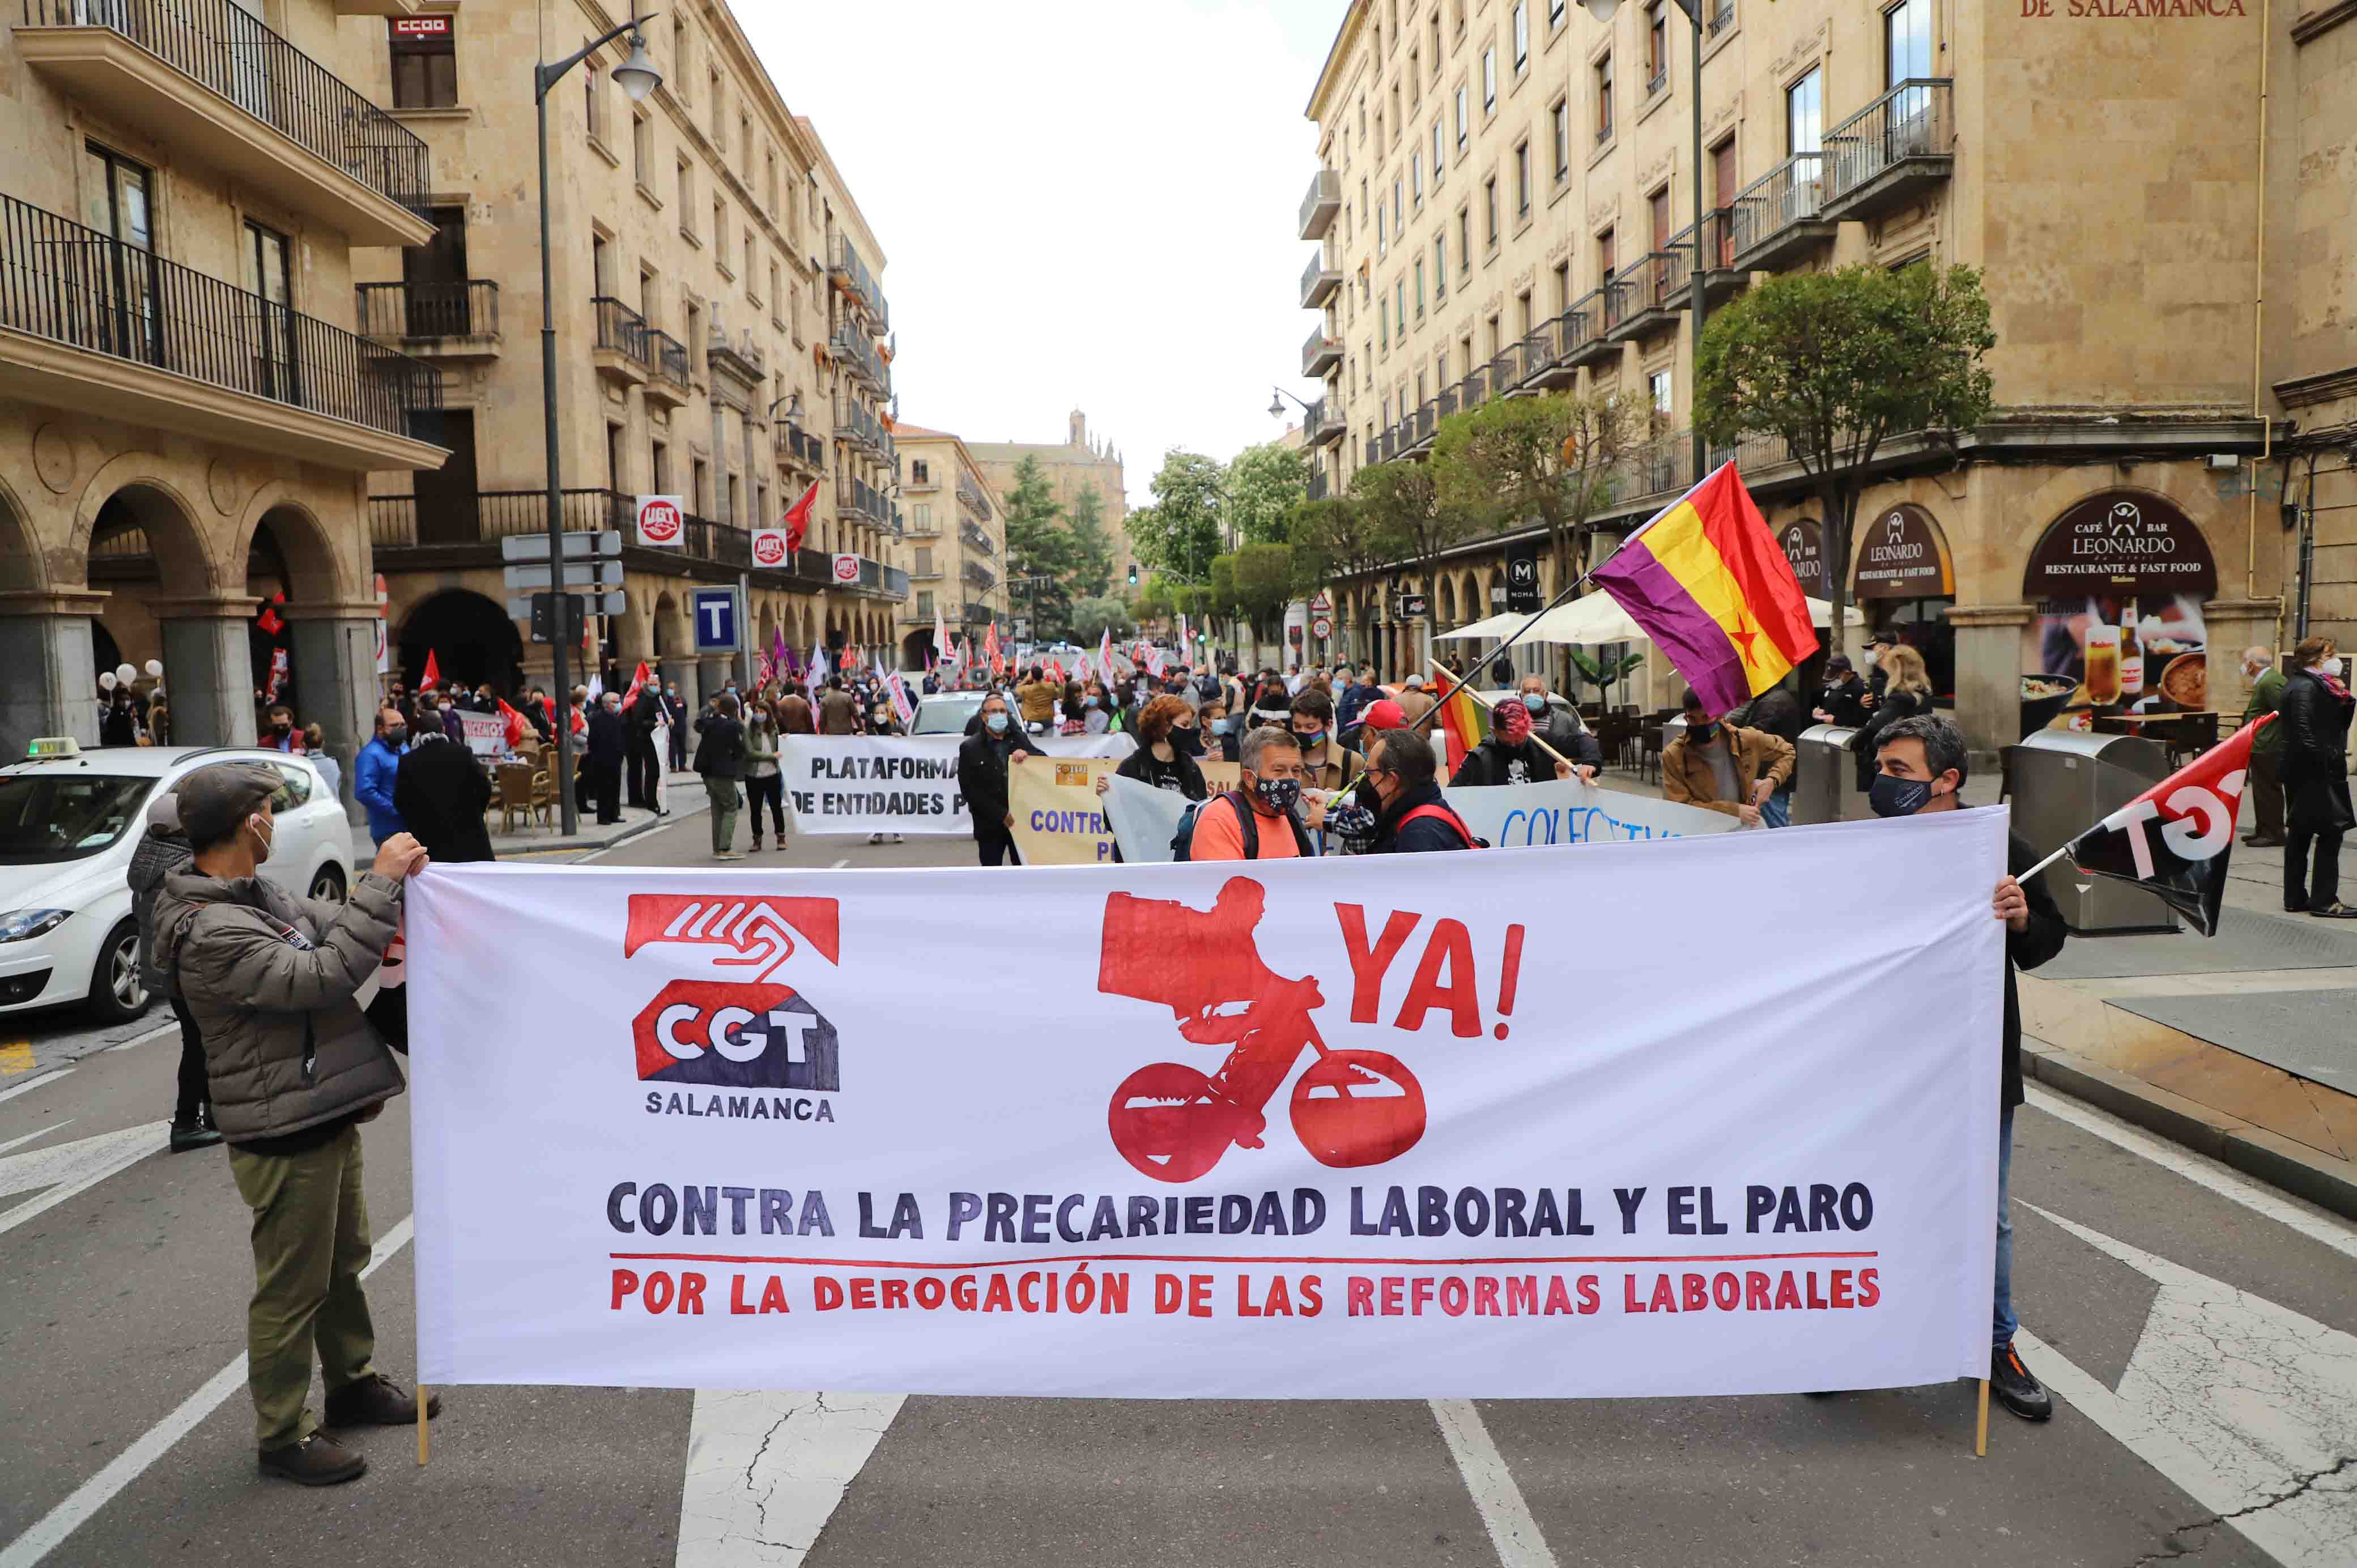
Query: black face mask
[1188, 740]
[1702, 734]
[1365, 794]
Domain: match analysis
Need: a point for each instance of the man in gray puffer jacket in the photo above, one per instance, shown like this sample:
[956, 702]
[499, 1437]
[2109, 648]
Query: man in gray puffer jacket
[273, 982]
[164, 849]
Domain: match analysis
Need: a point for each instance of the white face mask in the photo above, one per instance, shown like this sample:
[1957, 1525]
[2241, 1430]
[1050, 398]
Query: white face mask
[2333, 667]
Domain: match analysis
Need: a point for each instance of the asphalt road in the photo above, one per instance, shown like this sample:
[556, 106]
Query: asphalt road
[2202, 1330]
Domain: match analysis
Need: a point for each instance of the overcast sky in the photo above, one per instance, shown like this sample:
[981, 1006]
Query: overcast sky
[1081, 205]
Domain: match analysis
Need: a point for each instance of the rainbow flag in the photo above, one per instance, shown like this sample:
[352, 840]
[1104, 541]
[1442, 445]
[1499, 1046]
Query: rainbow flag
[1707, 583]
[1463, 723]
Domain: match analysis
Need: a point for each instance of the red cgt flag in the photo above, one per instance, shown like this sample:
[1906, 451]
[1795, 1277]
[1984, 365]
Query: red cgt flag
[637, 681]
[517, 724]
[2184, 864]
[433, 676]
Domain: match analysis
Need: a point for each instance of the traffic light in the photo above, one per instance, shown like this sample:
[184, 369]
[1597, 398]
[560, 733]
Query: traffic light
[1133, 574]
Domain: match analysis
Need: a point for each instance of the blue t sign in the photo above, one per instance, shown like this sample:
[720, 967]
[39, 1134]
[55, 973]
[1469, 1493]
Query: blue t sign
[716, 620]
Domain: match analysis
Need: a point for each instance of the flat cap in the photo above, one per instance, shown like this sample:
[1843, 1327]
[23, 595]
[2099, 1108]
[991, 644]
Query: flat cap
[214, 799]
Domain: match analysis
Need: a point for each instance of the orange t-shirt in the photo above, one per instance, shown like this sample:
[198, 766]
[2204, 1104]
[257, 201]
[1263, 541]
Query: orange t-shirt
[1219, 836]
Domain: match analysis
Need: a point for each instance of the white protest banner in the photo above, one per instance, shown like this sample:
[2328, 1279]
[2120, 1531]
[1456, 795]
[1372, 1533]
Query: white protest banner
[1509, 816]
[897, 784]
[487, 734]
[1060, 818]
[1410, 1127]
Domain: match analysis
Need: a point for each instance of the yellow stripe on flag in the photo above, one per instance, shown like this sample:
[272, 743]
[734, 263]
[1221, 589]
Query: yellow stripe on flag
[1686, 552]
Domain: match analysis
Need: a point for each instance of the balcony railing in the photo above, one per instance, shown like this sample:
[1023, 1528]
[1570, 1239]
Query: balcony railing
[620, 329]
[1320, 354]
[1722, 18]
[978, 613]
[75, 286]
[1657, 82]
[1320, 207]
[223, 47]
[857, 352]
[464, 309]
[667, 358]
[1323, 424]
[979, 575]
[1780, 210]
[975, 539]
[1319, 281]
[1881, 156]
[845, 264]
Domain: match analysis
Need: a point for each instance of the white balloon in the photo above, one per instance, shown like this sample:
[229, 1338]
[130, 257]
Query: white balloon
[155, 668]
[106, 679]
[126, 673]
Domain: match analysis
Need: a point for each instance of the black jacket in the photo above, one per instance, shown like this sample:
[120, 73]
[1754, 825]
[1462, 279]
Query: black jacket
[1426, 835]
[441, 794]
[981, 778]
[645, 713]
[1492, 762]
[2025, 949]
[606, 739]
[720, 751]
[2315, 769]
[1180, 773]
[1894, 705]
[1845, 701]
[1778, 712]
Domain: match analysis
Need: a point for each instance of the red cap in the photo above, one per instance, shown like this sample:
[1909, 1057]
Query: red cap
[1386, 714]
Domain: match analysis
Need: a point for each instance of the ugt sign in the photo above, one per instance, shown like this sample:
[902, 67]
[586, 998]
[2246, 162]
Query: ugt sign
[661, 522]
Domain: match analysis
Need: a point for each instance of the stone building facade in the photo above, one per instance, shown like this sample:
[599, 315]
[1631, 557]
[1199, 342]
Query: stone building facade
[187, 418]
[957, 543]
[1079, 462]
[720, 337]
[1506, 206]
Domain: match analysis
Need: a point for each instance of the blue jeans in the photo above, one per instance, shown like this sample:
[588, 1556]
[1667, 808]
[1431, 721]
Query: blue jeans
[2001, 1329]
[1778, 810]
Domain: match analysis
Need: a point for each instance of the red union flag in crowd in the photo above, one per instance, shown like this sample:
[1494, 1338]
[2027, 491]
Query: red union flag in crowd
[2174, 838]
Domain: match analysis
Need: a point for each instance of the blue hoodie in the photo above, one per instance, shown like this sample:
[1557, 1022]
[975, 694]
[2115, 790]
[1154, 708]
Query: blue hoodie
[373, 775]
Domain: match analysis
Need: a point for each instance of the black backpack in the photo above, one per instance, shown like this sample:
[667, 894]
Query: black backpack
[1182, 841]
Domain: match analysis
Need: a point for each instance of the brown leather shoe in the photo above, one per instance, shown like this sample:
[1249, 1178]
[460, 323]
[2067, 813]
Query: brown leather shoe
[316, 1461]
[377, 1400]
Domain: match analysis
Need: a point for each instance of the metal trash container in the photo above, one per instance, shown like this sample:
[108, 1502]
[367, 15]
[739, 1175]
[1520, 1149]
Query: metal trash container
[1825, 777]
[2064, 782]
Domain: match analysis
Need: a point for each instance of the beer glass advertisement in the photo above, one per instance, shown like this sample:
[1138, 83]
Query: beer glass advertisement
[2147, 654]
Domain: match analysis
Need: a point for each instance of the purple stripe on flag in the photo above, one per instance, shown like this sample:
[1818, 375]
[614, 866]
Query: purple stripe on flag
[1695, 644]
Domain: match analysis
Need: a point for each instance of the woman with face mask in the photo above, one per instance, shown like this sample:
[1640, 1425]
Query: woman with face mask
[764, 784]
[1162, 758]
[1097, 712]
[1075, 710]
[1217, 730]
[2314, 716]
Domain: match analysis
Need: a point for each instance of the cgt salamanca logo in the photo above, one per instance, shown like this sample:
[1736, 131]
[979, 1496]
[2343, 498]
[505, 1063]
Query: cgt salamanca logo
[749, 1034]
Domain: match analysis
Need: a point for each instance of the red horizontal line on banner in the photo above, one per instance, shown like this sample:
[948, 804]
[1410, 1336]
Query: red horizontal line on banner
[1165, 1258]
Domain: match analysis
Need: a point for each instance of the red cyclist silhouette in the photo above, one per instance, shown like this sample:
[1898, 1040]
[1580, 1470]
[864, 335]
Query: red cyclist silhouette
[1349, 1108]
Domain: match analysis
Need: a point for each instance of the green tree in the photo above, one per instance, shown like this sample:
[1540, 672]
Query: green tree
[1156, 598]
[1406, 519]
[1264, 484]
[1038, 549]
[1092, 549]
[1180, 531]
[1094, 616]
[1543, 459]
[1263, 585]
[1836, 363]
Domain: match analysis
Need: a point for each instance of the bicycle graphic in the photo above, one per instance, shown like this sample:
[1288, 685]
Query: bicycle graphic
[1173, 1123]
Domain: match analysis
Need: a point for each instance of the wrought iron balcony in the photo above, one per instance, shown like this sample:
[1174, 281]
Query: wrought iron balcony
[1780, 216]
[620, 353]
[667, 368]
[1722, 18]
[844, 265]
[1320, 354]
[263, 110]
[434, 320]
[1320, 282]
[856, 352]
[1324, 424]
[1581, 332]
[78, 289]
[1888, 154]
[1322, 205]
[1656, 290]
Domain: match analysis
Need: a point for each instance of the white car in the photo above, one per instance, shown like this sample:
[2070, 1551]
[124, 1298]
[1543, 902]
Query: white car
[68, 823]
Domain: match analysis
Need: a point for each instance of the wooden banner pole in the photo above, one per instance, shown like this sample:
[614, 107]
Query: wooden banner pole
[422, 1443]
[1980, 1431]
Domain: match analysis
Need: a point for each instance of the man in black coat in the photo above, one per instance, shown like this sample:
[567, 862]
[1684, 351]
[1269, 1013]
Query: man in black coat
[441, 793]
[674, 712]
[603, 760]
[1921, 767]
[1841, 700]
[2313, 714]
[1509, 755]
[984, 757]
[638, 756]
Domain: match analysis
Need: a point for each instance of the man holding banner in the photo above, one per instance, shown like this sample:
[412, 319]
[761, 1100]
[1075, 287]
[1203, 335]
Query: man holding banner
[983, 760]
[1920, 766]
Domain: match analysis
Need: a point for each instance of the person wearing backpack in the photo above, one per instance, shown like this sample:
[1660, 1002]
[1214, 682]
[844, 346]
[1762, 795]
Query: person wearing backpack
[1263, 820]
[1401, 784]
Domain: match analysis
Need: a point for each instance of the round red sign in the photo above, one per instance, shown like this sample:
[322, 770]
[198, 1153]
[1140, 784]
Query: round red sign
[769, 549]
[847, 568]
[658, 522]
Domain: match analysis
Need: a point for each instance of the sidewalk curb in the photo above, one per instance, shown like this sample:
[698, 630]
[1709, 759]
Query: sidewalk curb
[676, 815]
[2281, 1163]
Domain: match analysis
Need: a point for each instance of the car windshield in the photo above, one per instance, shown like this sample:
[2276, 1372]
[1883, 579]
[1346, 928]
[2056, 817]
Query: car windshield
[947, 714]
[47, 816]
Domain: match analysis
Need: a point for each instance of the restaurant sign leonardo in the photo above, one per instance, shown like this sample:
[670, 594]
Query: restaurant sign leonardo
[1902, 554]
[2120, 539]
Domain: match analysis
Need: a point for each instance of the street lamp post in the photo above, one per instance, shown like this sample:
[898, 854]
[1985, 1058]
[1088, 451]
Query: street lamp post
[1602, 11]
[637, 77]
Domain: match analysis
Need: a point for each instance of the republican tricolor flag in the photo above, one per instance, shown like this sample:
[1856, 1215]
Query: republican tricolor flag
[1708, 582]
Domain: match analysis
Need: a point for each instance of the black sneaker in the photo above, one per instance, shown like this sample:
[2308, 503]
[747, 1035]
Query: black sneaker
[200, 1134]
[2019, 1393]
[377, 1400]
[317, 1461]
